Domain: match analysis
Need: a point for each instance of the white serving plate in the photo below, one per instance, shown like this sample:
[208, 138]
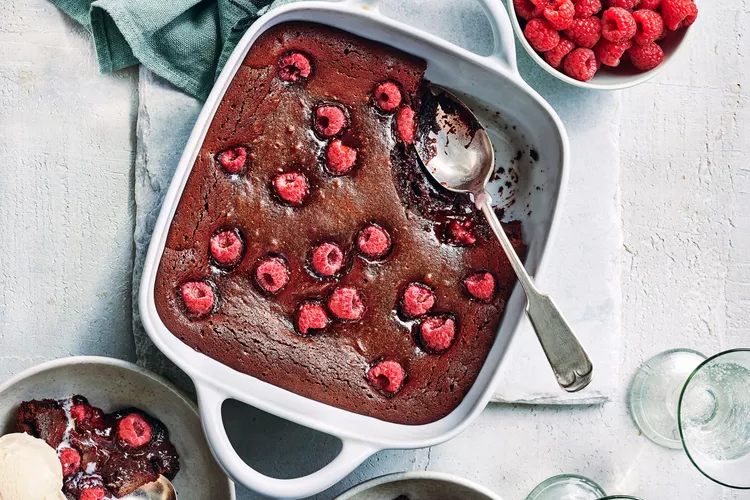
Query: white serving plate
[112, 385]
[418, 485]
[493, 83]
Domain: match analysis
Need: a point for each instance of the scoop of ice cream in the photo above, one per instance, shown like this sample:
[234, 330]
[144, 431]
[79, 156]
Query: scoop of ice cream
[29, 468]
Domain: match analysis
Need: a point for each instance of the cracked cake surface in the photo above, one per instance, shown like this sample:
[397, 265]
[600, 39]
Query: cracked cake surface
[308, 248]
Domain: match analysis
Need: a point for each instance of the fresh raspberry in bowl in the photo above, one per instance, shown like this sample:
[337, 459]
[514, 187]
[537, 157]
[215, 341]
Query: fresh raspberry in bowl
[387, 376]
[198, 298]
[374, 242]
[612, 31]
[272, 274]
[436, 333]
[226, 248]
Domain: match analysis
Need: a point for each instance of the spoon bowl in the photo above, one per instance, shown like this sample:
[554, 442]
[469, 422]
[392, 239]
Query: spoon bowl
[456, 151]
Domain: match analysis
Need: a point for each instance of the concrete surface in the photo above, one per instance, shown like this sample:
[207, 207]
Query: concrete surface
[66, 248]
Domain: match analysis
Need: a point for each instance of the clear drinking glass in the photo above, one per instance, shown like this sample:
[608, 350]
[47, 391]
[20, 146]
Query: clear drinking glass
[571, 487]
[680, 399]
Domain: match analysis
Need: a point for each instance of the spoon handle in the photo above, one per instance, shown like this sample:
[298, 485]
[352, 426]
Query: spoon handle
[568, 359]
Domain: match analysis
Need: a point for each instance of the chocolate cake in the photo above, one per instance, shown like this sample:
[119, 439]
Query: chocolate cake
[311, 251]
[102, 455]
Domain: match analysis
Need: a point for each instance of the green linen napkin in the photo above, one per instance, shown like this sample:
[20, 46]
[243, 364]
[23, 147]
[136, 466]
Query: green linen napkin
[186, 42]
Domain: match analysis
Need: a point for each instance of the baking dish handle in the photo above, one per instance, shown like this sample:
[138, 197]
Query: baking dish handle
[352, 454]
[504, 52]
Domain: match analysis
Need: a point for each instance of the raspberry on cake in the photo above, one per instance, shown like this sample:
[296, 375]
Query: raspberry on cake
[70, 460]
[294, 66]
[340, 158]
[405, 124]
[461, 233]
[327, 259]
[92, 493]
[387, 376]
[233, 159]
[291, 187]
[436, 333]
[198, 298]
[311, 317]
[330, 120]
[226, 247]
[374, 242]
[481, 286]
[388, 96]
[417, 299]
[134, 431]
[272, 274]
[346, 303]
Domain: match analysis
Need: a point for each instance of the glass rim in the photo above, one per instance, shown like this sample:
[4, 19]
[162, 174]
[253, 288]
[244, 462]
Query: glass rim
[679, 414]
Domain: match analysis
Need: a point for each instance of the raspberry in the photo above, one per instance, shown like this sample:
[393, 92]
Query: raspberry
[327, 259]
[346, 303]
[233, 159]
[646, 57]
[650, 4]
[226, 248]
[340, 158]
[585, 32]
[587, 8]
[79, 413]
[541, 35]
[95, 493]
[678, 13]
[329, 120]
[649, 26]
[526, 9]
[387, 376]
[618, 24]
[373, 241]
[405, 124]
[436, 334]
[555, 56]
[311, 316]
[294, 66]
[272, 274]
[291, 187]
[70, 460]
[581, 64]
[460, 233]
[417, 300]
[481, 286]
[387, 96]
[133, 431]
[624, 4]
[609, 53]
[198, 297]
[560, 14]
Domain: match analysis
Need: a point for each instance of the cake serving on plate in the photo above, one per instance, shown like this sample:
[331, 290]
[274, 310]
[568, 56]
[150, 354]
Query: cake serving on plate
[311, 251]
[102, 455]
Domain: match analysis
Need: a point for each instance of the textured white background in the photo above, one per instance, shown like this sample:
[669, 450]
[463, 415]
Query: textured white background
[67, 151]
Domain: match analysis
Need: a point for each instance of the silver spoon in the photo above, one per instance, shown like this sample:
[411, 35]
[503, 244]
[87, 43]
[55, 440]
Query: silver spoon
[161, 489]
[458, 154]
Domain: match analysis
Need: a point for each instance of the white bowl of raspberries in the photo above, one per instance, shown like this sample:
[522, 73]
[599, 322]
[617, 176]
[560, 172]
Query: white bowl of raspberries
[602, 44]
